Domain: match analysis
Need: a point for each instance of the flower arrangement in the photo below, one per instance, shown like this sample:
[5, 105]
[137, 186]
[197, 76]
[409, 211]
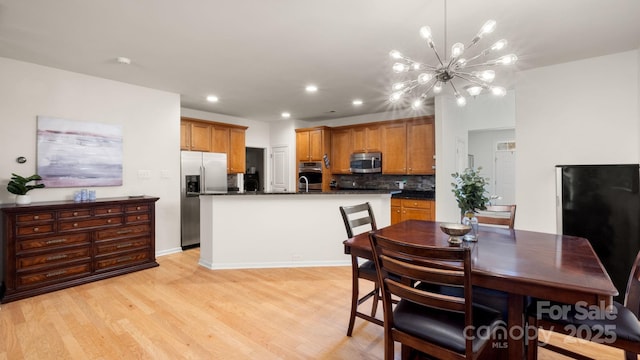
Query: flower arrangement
[469, 189]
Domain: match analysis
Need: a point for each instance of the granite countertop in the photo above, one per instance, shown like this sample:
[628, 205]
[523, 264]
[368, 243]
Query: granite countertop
[332, 192]
[416, 194]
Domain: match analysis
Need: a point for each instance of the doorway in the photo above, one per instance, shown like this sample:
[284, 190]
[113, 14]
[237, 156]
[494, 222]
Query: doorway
[254, 175]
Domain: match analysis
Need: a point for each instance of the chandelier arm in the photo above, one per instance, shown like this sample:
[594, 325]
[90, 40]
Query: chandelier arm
[473, 80]
[437, 55]
[455, 91]
[488, 63]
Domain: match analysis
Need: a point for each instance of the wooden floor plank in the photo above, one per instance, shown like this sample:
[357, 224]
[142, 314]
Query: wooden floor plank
[183, 310]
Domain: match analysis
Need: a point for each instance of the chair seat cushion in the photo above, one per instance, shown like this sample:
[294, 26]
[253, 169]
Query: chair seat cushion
[588, 322]
[445, 328]
[368, 267]
[493, 299]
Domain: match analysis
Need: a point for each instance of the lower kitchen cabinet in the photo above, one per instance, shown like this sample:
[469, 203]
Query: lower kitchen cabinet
[54, 245]
[408, 209]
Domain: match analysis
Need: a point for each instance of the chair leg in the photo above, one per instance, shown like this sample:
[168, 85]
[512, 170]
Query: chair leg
[374, 307]
[354, 294]
[628, 355]
[532, 341]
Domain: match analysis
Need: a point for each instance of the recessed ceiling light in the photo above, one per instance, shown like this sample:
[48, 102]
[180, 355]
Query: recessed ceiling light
[212, 98]
[286, 115]
[357, 102]
[311, 88]
[123, 60]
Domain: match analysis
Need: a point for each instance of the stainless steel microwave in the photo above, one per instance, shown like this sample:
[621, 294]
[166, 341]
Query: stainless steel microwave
[365, 163]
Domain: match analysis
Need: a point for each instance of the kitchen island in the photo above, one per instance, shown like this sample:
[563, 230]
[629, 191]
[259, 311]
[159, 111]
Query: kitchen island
[260, 230]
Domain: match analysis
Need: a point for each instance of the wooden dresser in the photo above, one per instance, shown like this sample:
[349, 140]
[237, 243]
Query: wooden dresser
[49, 246]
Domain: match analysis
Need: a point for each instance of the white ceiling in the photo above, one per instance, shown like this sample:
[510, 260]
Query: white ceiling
[258, 55]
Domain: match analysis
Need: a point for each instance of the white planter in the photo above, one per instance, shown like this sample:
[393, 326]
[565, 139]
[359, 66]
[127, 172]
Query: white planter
[23, 199]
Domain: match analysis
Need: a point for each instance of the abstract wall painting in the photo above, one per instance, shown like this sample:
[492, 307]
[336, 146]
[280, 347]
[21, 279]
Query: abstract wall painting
[78, 153]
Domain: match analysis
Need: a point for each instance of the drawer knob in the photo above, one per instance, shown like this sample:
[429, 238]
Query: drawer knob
[138, 208]
[75, 213]
[138, 217]
[75, 224]
[109, 211]
[109, 221]
[36, 217]
[35, 229]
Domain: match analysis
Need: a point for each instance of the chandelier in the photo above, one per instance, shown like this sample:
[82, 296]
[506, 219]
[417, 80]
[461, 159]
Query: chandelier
[470, 73]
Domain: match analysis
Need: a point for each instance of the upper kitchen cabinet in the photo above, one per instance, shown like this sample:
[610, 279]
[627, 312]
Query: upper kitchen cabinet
[209, 136]
[421, 147]
[366, 138]
[408, 147]
[341, 149]
[313, 143]
[394, 148]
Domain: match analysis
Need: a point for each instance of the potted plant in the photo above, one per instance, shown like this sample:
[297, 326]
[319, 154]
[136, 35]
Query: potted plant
[469, 190]
[19, 186]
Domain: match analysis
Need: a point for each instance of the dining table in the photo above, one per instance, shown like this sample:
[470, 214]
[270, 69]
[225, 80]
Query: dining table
[523, 264]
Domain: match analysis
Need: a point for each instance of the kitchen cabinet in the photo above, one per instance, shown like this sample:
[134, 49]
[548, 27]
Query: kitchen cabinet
[200, 137]
[220, 137]
[420, 148]
[55, 245]
[366, 138]
[412, 209]
[408, 147]
[341, 150]
[394, 148]
[310, 144]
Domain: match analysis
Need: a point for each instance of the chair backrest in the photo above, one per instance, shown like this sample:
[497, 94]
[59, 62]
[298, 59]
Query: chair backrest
[632, 295]
[411, 264]
[498, 215]
[358, 215]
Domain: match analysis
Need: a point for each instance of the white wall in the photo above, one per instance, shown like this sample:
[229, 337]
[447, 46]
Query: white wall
[583, 112]
[482, 145]
[150, 122]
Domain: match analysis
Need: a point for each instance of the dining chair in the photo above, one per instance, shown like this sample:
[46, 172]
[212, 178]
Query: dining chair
[440, 326]
[503, 215]
[360, 217]
[620, 329]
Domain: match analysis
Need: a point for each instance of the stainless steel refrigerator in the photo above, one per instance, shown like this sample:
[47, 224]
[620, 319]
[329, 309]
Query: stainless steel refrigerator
[201, 173]
[602, 204]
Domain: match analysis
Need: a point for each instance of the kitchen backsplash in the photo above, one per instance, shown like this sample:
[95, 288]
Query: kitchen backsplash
[378, 181]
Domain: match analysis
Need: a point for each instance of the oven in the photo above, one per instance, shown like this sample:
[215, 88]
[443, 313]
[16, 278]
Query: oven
[310, 172]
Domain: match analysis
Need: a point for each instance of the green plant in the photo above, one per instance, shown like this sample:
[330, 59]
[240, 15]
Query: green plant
[469, 189]
[18, 184]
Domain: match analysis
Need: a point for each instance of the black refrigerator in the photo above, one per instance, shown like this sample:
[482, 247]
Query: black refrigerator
[601, 203]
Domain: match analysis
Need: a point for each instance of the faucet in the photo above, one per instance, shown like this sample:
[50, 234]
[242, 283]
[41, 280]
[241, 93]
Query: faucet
[306, 181]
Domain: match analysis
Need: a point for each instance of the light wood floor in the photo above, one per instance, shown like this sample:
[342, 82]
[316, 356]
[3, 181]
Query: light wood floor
[182, 310]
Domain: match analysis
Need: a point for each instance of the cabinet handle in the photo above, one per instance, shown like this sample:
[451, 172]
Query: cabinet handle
[36, 229]
[109, 221]
[56, 241]
[138, 208]
[57, 257]
[75, 213]
[75, 224]
[36, 217]
[56, 273]
[109, 211]
[120, 246]
[124, 231]
[138, 217]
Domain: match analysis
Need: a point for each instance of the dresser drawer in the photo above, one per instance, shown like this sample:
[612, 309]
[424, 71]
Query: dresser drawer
[26, 262]
[35, 229]
[122, 260]
[143, 217]
[123, 232]
[138, 208]
[41, 216]
[110, 247]
[66, 214]
[106, 210]
[53, 275]
[53, 242]
[90, 223]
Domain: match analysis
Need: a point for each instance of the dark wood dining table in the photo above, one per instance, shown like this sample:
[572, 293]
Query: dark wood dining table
[521, 263]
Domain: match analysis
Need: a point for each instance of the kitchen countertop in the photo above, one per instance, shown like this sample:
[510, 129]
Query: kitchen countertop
[395, 193]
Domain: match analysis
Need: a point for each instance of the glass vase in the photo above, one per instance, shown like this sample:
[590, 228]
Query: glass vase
[470, 219]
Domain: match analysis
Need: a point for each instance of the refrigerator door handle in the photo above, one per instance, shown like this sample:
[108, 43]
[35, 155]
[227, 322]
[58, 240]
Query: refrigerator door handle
[203, 180]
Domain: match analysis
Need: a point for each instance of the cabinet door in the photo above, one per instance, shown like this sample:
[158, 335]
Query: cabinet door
[373, 138]
[315, 145]
[237, 156]
[415, 214]
[185, 136]
[302, 146]
[420, 148]
[340, 151]
[359, 139]
[394, 148]
[220, 141]
[200, 137]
